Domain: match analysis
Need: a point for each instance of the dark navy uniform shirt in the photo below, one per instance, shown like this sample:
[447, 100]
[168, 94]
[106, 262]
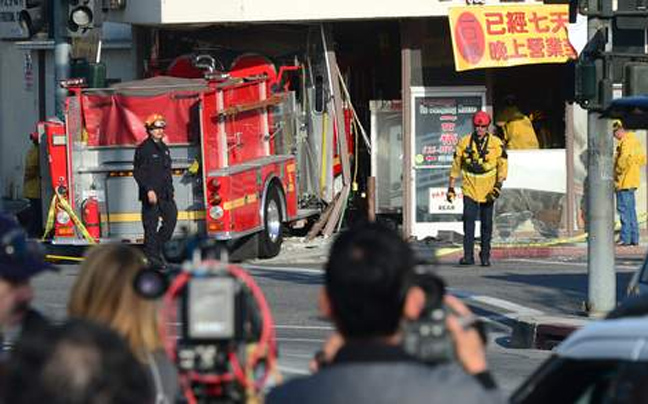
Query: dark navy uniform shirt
[153, 169]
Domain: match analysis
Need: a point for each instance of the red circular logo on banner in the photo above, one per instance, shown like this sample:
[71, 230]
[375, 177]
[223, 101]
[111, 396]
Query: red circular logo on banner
[469, 37]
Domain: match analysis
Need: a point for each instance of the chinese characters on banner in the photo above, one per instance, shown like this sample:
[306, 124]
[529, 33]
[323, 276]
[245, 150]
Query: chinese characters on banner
[501, 36]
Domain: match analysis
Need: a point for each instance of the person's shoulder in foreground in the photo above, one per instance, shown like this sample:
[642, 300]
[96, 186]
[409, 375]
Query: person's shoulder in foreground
[385, 382]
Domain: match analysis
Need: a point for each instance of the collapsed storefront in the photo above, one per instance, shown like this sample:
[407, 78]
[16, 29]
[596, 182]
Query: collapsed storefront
[544, 195]
[391, 66]
[535, 198]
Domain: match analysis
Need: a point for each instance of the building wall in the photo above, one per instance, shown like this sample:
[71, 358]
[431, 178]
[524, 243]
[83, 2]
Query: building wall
[19, 93]
[209, 11]
[19, 111]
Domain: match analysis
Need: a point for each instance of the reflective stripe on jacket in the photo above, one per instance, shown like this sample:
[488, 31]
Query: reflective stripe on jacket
[477, 184]
[628, 160]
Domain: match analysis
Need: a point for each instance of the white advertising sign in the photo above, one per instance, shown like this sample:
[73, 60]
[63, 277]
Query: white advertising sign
[439, 202]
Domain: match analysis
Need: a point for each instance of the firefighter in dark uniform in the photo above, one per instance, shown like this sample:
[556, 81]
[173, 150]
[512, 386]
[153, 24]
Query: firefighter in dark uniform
[152, 171]
[481, 160]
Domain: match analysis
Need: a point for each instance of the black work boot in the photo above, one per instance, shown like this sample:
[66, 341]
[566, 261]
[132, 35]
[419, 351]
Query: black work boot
[467, 261]
[485, 260]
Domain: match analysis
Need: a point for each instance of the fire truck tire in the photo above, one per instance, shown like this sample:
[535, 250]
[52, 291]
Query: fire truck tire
[271, 236]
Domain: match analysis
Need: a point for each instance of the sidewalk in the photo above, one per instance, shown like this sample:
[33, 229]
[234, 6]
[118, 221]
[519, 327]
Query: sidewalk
[450, 253]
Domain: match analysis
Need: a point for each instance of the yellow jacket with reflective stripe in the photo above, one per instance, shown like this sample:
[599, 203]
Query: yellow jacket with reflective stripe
[477, 186]
[31, 182]
[628, 160]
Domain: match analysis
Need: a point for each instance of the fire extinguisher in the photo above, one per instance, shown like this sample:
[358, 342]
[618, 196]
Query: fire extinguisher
[91, 218]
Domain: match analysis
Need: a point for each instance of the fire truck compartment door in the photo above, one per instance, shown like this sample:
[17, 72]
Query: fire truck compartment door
[124, 208]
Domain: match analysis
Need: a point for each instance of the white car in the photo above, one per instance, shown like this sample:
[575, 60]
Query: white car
[603, 362]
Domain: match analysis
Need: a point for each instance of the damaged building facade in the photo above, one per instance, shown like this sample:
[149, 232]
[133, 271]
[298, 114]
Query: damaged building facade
[400, 67]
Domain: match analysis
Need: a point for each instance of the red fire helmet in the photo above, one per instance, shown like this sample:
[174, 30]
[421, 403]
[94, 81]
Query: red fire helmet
[481, 118]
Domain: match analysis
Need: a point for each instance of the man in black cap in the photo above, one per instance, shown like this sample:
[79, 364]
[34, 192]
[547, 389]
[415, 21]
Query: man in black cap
[20, 259]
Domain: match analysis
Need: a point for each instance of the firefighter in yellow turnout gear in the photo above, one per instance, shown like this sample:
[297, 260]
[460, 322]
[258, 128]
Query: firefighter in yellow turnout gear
[628, 160]
[516, 127]
[481, 160]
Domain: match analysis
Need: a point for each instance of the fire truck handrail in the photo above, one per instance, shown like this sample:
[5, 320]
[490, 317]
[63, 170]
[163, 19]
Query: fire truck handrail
[134, 146]
[184, 87]
[233, 110]
[250, 165]
[197, 87]
[123, 167]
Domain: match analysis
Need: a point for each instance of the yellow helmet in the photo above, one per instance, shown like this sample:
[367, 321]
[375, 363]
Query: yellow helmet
[155, 121]
[617, 124]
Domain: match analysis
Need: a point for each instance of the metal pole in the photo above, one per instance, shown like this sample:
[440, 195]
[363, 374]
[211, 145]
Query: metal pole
[371, 198]
[62, 50]
[600, 210]
[569, 149]
[406, 81]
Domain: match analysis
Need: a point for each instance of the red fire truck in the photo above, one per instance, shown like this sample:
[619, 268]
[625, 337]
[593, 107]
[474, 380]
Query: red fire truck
[248, 155]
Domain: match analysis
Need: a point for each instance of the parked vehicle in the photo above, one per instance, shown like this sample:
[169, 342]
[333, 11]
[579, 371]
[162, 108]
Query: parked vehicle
[604, 362]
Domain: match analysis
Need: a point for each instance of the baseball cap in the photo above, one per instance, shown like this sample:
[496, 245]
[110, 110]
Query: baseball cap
[20, 258]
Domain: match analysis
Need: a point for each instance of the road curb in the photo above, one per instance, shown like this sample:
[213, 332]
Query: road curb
[451, 254]
[543, 332]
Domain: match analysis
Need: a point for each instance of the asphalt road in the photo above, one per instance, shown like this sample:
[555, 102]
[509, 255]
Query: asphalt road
[497, 294]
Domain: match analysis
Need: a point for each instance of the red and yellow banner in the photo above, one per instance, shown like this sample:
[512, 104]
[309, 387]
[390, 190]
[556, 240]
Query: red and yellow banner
[501, 36]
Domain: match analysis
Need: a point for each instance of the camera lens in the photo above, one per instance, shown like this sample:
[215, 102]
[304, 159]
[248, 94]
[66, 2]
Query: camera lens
[432, 285]
[150, 283]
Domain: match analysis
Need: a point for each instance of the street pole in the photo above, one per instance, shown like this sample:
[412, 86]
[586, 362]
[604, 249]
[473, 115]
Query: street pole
[600, 195]
[62, 49]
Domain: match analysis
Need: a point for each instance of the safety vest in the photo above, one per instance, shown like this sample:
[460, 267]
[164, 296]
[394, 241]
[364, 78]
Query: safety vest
[481, 165]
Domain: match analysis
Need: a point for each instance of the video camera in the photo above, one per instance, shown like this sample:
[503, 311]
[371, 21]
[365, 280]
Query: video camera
[226, 334]
[428, 338]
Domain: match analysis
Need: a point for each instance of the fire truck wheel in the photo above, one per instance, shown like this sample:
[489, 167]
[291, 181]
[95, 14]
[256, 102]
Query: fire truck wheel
[271, 236]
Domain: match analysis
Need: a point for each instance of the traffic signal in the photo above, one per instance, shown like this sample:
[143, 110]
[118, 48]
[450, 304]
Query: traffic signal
[635, 79]
[631, 15]
[83, 15]
[593, 89]
[586, 83]
[34, 17]
[573, 7]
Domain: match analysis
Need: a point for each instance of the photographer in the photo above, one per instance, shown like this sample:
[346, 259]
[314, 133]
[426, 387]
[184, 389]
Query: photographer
[368, 294]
